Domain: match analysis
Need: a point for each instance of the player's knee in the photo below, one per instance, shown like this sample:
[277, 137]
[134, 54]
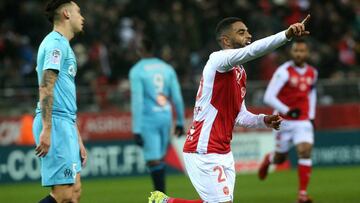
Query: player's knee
[67, 199]
[64, 196]
[304, 154]
[304, 150]
[280, 158]
[63, 193]
[77, 193]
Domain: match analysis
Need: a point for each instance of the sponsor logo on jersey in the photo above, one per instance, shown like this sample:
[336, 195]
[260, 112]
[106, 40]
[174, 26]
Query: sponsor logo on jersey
[197, 110]
[303, 87]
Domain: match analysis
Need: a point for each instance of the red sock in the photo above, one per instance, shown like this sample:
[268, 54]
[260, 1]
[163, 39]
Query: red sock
[304, 172]
[177, 200]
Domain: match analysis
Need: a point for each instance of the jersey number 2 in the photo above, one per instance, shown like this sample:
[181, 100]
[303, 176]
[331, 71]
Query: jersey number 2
[221, 177]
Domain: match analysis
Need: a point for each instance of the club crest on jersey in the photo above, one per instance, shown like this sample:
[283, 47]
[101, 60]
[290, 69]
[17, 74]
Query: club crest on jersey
[68, 173]
[55, 56]
[303, 87]
[72, 71]
[189, 136]
[192, 131]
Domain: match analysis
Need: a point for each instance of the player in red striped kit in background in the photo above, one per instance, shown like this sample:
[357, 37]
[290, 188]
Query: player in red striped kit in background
[292, 93]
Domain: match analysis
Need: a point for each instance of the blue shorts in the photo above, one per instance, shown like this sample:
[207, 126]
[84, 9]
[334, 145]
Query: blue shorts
[62, 162]
[155, 135]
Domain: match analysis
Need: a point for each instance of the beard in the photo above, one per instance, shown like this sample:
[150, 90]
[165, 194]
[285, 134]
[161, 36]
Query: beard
[299, 62]
[237, 45]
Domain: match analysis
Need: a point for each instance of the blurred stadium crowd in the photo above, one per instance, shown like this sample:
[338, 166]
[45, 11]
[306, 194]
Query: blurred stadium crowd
[184, 36]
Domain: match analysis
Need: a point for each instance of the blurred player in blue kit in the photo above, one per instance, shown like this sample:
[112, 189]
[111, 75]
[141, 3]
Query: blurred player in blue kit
[59, 144]
[154, 88]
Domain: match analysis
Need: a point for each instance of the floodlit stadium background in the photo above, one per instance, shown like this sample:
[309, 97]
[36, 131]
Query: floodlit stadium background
[184, 36]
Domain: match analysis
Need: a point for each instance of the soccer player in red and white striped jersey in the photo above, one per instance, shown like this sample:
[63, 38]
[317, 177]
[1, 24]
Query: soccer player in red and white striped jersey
[292, 93]
[220, 106]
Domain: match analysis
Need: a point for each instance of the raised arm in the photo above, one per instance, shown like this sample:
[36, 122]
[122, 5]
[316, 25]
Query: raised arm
[226, 59]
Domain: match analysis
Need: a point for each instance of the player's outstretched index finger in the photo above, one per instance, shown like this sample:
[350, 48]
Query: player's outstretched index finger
[305, 20]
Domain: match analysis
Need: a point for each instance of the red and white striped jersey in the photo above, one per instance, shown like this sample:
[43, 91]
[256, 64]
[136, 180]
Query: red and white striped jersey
[220, 98]
[293, 87]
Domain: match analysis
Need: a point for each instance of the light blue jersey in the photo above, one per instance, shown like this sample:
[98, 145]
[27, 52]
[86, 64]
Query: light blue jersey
[55, 53]
[154, 85]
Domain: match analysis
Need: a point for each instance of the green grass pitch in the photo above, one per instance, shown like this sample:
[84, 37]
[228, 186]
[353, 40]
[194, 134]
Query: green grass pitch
[328, 185]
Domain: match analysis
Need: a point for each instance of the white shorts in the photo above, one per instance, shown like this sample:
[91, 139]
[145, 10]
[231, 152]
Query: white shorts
[212, 175]
[292, 133]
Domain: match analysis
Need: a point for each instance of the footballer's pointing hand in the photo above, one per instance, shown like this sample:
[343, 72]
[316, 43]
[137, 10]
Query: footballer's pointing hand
[44, 143]
[298, 29]
[273, 121]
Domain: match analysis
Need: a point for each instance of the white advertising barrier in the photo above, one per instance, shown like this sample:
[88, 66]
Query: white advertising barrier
[105, 159]
[9, 131]
[249, 148]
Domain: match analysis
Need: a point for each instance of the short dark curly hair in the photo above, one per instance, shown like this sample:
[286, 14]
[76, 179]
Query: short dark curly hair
[52, 6]
[225, 24]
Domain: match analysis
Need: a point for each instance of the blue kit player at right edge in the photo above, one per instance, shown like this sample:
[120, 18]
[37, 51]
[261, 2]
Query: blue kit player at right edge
[153, 85]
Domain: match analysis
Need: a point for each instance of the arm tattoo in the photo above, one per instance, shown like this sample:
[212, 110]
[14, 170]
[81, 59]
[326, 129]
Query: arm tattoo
[46, 96]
